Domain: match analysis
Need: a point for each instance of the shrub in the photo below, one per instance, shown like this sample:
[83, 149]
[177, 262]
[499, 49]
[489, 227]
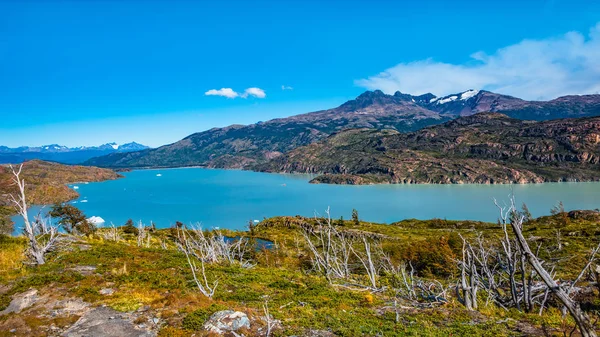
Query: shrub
[432, 257]
[129, 228]
[72, 219]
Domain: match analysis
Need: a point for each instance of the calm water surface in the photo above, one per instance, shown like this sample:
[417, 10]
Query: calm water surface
[230, 198]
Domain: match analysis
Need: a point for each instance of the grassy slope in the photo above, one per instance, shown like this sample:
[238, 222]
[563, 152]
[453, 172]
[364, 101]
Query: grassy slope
[301, 299]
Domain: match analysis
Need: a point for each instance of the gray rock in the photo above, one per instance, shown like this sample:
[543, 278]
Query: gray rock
[107, 291]
[71, 306]
[104, 321]
[84, 270]
[21, 301]
[227, 320]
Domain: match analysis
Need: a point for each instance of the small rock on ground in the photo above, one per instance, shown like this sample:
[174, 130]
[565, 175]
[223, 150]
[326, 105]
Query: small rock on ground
[106, 291]
[21, 301]
[84, 270]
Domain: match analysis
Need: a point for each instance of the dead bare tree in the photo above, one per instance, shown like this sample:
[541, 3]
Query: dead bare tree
[268, 319]
[330, 248]
[333, 251]
[403, 281]
[410, 290]
[112, 233]
[468, 277]
[203, 285]
[581, 319]
[201, 248]
[42, 235]
[141, 233]
[366, 259]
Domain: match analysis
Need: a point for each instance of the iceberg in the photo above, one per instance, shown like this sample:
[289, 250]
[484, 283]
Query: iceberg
[96, 220]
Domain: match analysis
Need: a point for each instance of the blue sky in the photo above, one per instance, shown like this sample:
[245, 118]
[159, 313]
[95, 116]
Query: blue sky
[90, 72]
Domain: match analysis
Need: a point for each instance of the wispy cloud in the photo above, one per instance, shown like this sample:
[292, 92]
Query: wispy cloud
[285, 87]
[225, 92]
[256, 92]
[230, 93]
[530, 69]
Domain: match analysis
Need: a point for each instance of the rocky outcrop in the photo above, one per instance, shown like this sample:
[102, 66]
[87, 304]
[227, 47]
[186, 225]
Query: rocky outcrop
[486, 148]
[226, 321]
[104, 321]
[21, 301]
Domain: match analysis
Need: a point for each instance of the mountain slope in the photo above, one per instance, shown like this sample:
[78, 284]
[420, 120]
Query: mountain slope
[482, 148]
[239, 146]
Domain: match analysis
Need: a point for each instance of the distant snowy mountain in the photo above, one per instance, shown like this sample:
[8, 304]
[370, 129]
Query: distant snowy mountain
[63, 154]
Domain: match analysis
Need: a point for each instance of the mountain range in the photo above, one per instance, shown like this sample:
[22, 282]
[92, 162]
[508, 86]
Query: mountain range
[243, 146]
[63, 154]
[483, 148]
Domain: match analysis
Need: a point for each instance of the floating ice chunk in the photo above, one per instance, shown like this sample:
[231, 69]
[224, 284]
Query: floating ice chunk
[256, 221]
[159, 175]
[96, 220]
[83, 200]
[75, 187]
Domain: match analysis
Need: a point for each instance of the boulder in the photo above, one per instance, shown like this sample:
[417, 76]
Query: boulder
[104, 321]
[227, 320]
[21, 301]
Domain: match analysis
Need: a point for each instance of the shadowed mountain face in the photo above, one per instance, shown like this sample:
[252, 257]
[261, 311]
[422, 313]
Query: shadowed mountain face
[239, 146]
[482, 148]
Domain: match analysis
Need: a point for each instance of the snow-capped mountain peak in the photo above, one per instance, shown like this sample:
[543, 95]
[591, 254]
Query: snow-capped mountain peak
[463, 96]
[468, 94]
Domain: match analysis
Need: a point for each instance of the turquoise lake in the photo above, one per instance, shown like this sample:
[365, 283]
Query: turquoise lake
[230, 198]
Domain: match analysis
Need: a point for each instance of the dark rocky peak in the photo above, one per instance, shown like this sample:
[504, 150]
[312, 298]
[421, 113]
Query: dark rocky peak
[405, 97]
[420, 99]
[425, 98]
[366, 99]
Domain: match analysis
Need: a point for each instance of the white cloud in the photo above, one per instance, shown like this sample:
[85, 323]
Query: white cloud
[230, 93]
[225, 92]
[285, 87]
[256, 92]
[530, 69]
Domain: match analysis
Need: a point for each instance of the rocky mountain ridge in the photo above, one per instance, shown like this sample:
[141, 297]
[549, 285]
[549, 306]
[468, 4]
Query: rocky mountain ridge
[485, 148]
[241, 146]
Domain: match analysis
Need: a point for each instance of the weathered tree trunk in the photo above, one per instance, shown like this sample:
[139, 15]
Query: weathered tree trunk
[583, 322]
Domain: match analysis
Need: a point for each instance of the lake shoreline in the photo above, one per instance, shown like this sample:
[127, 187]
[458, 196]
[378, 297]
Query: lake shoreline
[228, 198]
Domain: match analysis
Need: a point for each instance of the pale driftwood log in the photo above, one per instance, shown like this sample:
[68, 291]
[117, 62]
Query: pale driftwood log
[42, 235]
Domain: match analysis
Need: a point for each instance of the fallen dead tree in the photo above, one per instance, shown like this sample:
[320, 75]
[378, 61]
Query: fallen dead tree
[513, 275]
